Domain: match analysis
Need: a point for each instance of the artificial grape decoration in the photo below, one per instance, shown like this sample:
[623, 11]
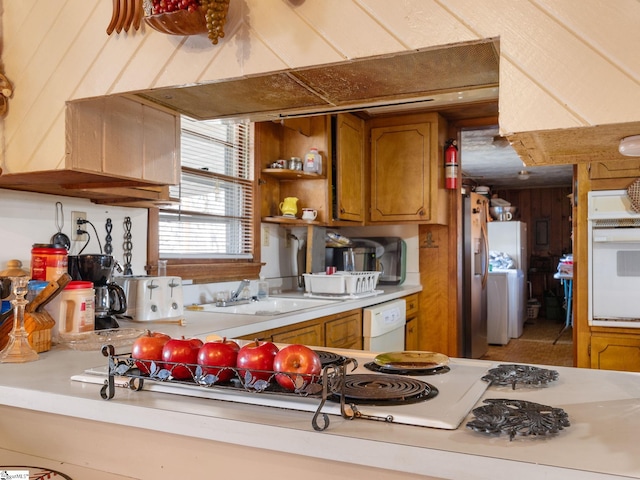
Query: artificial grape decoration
[216, 16]
[215, 12]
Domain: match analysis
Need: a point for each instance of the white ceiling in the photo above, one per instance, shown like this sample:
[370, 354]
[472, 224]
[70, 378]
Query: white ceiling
[487, 159]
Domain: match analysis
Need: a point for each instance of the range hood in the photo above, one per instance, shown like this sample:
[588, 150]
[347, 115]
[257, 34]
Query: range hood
[456, 74]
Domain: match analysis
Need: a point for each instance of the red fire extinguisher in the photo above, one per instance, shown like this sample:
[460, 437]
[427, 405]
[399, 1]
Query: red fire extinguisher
[451, 165]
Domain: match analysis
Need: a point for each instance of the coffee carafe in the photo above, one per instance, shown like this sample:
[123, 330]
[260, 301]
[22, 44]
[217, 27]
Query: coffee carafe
[110, 298]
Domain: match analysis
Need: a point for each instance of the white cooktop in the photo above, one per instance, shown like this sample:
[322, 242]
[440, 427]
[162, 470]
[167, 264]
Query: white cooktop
[458, 392]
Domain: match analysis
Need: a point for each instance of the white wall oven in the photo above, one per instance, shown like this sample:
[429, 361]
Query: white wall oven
[614, 260]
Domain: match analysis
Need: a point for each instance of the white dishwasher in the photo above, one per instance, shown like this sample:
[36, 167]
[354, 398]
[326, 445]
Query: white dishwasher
[383, 326]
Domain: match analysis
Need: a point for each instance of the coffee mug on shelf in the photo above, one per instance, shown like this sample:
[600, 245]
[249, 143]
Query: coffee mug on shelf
[309, 214]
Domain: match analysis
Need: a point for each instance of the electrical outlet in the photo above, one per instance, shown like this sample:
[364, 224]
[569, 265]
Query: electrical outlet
[75, 216]
[265, 235]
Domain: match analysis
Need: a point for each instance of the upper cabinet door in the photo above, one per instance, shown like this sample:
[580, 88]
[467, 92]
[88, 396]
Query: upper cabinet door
[349, 177]
[401, 173]
[124, 139]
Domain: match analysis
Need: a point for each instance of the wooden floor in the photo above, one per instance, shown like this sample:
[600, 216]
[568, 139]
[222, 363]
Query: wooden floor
[536, 345]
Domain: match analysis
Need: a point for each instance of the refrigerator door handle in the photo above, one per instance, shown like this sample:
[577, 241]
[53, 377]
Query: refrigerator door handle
[485, 241]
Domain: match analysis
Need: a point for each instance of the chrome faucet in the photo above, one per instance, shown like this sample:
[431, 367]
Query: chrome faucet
[235, 295]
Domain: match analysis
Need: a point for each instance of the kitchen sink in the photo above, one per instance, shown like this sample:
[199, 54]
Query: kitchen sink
[271, 306]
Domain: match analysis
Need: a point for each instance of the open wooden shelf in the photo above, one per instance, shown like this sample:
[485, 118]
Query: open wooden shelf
[286, 174]
[290, 221]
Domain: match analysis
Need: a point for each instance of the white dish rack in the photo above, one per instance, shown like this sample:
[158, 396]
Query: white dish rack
[341, 283]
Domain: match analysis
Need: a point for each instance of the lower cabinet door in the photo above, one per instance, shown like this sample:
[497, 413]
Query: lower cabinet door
[615, 352]
[344, 332]
[310, 335]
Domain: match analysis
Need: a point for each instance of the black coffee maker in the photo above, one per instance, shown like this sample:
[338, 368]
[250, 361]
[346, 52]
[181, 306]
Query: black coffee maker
[110, 299]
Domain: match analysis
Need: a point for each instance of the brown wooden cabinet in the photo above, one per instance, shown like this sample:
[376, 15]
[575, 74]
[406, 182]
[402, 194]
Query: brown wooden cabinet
[118, 151]
[348, 176]
[407, 182]
[275, 141]
[311, 334]
[125, 139]
[342, 330]
[337, 193]
[411, 335]
[615, 352]
[627, 168]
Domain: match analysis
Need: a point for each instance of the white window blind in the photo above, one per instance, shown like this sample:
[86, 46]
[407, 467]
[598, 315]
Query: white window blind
[214, 218]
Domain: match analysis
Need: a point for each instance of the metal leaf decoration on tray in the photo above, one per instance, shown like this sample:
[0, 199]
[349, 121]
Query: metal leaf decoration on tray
[512, 374]
[518, 418]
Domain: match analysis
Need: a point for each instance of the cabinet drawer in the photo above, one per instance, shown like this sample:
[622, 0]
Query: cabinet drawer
[413, 304]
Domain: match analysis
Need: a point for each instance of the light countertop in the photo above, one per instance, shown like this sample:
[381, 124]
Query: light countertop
[201, 323]
[38, 399]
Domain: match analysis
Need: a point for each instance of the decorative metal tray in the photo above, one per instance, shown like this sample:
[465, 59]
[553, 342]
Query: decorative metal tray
[330, 384]
[511, 374]
[518, 418]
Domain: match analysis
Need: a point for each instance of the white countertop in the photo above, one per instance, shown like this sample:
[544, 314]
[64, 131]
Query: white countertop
[603, 408]
[201, 323]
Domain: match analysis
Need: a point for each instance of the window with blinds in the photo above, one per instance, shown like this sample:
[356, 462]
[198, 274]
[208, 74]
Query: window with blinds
[216, 193]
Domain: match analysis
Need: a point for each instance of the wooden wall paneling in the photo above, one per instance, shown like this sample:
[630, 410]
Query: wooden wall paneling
[581, 328]
[436, 278]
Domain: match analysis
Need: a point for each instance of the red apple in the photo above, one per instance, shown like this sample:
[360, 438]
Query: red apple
[296, 361]
[221, 353]
[148, 348]
[181, 350]
[257, 356]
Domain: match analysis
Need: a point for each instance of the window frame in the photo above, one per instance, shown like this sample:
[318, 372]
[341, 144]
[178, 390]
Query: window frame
[208, 270]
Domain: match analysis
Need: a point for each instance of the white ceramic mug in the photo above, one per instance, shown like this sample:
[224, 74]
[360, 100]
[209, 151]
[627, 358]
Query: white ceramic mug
[506, 217]
[309, 214]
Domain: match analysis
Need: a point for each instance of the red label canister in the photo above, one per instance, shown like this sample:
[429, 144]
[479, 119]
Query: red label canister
[48, 262]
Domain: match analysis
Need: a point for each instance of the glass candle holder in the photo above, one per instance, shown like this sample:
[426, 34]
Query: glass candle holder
[18, 350]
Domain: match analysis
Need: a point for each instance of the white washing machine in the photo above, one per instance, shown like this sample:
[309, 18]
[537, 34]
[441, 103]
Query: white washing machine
[383, 326]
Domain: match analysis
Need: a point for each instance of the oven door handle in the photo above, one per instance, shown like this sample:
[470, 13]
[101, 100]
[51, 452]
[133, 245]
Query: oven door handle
[615, 239]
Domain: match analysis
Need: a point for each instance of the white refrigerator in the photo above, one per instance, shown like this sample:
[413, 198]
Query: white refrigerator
[511, 238]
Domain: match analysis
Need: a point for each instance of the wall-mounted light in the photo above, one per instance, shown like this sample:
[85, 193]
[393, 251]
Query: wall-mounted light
[523, 175]
[630, 146]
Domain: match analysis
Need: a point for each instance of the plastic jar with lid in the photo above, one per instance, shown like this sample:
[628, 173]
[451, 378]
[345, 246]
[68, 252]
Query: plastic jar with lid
[73, 309]
[312, 162]
[48, 262]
